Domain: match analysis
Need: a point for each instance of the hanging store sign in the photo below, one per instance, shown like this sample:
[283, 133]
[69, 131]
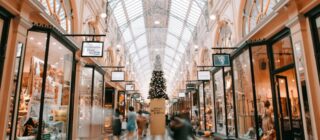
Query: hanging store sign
[181, 95]
[136, 95]
[204, 75]
[221, 60]
[129, 87]
[190, 87]
[117, 76]
[92, 49]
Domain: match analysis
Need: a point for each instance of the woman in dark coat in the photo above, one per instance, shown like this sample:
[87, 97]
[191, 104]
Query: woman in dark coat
[116, 124]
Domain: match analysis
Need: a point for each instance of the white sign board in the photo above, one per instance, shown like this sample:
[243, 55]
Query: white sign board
[117, 76]
[129, 87]
[92, 49]
[204, 75]
[181, 95]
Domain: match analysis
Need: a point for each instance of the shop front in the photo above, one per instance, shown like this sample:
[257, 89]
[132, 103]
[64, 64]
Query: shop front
[92, 111]
[46, 86]
[257, 98]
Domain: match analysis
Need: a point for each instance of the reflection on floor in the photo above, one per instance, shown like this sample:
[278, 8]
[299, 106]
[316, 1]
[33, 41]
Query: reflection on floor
[148, 137]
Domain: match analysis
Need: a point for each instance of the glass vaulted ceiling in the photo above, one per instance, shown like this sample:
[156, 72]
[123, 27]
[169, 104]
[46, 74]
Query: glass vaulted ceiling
[182, 19]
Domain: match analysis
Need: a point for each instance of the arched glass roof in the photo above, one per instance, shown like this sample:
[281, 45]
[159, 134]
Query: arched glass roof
[182, 19]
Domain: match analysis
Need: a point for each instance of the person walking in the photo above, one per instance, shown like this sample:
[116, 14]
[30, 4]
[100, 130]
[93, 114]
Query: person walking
[180, 128]
[116, 124]
[141, 122]
[131, 124]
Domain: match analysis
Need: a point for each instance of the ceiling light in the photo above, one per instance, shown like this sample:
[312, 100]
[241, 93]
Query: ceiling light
[39, 43]
[157, 50]
[157, 22]
[54, 43]
[213, 17]
[60, 48]
[31, 38]
[196, 46]
[118, 46]
[103, 15]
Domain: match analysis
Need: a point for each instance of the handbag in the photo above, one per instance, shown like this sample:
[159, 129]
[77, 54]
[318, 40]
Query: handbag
[124, 125]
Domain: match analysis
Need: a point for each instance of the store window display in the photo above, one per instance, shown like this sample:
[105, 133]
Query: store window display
[219, 103]
[92, 118]
[244, 96]
[46, 86]
[229, 102]
[260, 64]
[85, 91]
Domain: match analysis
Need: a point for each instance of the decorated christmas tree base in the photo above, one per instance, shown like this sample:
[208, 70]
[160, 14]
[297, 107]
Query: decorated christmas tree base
[157, 117]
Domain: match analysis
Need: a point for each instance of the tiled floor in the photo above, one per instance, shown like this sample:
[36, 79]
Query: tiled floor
[149, 137]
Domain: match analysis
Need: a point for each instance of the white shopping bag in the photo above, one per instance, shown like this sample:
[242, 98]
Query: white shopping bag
[124, 125]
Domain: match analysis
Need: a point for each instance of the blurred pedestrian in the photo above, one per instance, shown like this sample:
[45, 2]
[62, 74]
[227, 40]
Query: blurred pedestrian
[141, 122]
[131, 124]
[146, 115]
[116, 124]
[180, 128]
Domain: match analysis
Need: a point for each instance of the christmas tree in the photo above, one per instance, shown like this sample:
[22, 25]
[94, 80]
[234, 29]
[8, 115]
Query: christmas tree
[158, 82]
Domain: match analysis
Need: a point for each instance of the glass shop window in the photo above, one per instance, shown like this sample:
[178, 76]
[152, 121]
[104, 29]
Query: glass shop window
[244, 96]
[263, 91]
[283, 53]
[219, 102]
[56, 89]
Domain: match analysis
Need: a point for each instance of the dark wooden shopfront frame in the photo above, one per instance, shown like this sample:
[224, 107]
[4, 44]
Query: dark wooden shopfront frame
[247, 46]
[6, 17]
[50, 32]
[313, 15]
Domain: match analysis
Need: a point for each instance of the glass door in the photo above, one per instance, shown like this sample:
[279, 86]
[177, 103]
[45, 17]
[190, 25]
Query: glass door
[284, 106]
[288, 106]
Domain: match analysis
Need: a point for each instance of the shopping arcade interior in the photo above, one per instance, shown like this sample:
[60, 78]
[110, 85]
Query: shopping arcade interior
[283, 62]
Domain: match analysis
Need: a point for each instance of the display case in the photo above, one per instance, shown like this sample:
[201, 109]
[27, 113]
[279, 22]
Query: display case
[45, 97]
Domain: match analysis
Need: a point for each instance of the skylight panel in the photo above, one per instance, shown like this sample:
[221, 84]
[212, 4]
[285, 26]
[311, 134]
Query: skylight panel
[143, 52]
[181, 48]
[167, 59]
[141, 41]
[144, 62]
[134, 8]
[177, 58]
[127, 35]
[135, 58]
[138, 26]
[169, 52]
[172, 41]
[175, 26]
[119, 15]
[132, 49]
[186, 35]
[194, 14]
[180, 8]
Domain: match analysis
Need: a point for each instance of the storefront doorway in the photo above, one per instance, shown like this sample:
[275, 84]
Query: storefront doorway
[285, 88]
[266, 98]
